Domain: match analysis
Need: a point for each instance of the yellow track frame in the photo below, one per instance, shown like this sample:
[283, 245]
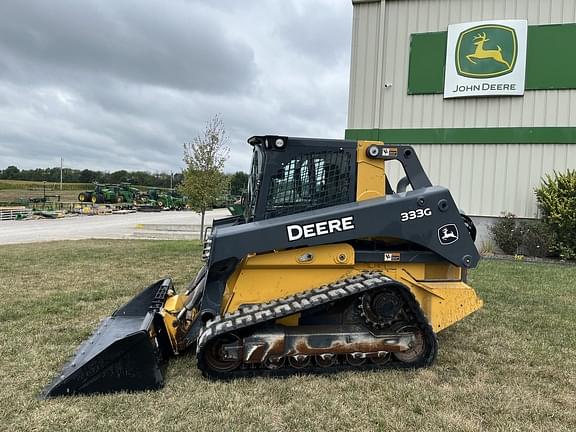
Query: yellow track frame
[438, 287]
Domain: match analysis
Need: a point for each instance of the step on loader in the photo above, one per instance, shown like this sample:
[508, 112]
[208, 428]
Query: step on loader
[328, 269]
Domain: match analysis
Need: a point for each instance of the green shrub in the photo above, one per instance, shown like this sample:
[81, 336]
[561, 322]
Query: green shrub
[538, 239]
[506, 234]
[530, 238]
[557, 199]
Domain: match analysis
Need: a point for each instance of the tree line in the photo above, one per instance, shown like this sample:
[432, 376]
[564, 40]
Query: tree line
[70, 175]
[237, 181]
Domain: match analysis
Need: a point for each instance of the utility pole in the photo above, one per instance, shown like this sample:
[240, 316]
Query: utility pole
[171, 177]
[61, 166]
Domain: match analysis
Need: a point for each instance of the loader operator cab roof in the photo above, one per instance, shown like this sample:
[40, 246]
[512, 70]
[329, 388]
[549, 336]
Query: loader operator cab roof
[291, 175]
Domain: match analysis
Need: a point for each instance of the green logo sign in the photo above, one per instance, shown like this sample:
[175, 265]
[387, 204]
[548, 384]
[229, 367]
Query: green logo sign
[486, 51]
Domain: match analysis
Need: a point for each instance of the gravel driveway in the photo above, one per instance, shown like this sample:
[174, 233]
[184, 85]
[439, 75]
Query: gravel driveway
[115, 226]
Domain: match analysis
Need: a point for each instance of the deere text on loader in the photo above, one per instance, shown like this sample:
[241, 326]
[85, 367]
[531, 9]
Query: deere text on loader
[328, 269]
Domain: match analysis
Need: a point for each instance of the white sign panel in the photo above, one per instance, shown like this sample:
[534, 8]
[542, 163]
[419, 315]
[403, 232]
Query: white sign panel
[486, 58]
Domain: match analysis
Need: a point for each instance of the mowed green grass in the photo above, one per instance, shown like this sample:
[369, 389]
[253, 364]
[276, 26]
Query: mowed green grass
[509, 367]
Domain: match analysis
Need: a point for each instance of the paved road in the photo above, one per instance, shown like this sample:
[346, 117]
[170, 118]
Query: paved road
[116, 226]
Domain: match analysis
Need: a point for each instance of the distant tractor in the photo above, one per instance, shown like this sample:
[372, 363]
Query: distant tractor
[93, 196]
[110, 194]
[171, 200]
[85, 196]
[178, 201]
[104, 194]
[126, 193]
[156, 198]
[149, 200]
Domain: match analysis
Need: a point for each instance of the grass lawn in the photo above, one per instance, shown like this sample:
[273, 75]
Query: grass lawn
[13, 195]
[509, 367]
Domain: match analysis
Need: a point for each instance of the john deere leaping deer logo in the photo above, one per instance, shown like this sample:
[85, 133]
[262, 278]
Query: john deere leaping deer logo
[486, 51]
[483, 53]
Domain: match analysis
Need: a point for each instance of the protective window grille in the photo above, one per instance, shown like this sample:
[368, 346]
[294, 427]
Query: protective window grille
[310, 181]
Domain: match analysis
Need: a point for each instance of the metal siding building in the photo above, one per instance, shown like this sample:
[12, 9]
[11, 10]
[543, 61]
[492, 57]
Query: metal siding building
[490, 151]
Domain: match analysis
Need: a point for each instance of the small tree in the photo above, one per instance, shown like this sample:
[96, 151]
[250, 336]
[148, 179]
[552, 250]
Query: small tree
[204, 180]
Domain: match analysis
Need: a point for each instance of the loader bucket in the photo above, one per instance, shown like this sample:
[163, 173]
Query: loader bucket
[128, 352]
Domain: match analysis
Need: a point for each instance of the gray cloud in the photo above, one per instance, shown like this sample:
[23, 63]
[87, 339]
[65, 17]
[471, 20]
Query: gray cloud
[121, 85]
[176, 46]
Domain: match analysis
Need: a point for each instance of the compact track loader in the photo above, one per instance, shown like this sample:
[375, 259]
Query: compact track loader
[328, 269]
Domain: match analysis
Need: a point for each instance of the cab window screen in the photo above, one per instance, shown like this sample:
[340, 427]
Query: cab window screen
[310, 181]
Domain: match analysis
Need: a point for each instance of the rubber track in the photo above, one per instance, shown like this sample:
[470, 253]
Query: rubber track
[258, 314]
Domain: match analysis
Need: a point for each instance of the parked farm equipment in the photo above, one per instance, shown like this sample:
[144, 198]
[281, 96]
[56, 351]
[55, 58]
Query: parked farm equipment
[101, 194]
[126, 193]
[110, 194]
[156, 198]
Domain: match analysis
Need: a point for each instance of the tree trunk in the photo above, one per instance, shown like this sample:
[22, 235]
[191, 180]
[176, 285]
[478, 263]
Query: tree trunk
[202, 226]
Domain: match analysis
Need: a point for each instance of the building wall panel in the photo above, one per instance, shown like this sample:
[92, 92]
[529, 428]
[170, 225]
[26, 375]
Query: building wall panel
[395, 109]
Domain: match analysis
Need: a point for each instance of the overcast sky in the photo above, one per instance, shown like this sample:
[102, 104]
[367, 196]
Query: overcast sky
[123, 84]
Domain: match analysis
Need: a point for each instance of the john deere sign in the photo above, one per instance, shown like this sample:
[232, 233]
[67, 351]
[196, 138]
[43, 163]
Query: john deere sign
[486, 59]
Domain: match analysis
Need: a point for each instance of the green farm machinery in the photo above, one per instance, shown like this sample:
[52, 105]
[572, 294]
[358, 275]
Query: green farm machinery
[101, 194]
[176, 200]
[110, 194]
[156, 198]
[85, 196]
[126, 193]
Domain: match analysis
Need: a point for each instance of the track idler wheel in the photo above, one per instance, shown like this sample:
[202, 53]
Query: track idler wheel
[387, 309]
[417, 352]
[221, 355]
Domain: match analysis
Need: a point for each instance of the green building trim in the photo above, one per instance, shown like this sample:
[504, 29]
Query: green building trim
[503, 135]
